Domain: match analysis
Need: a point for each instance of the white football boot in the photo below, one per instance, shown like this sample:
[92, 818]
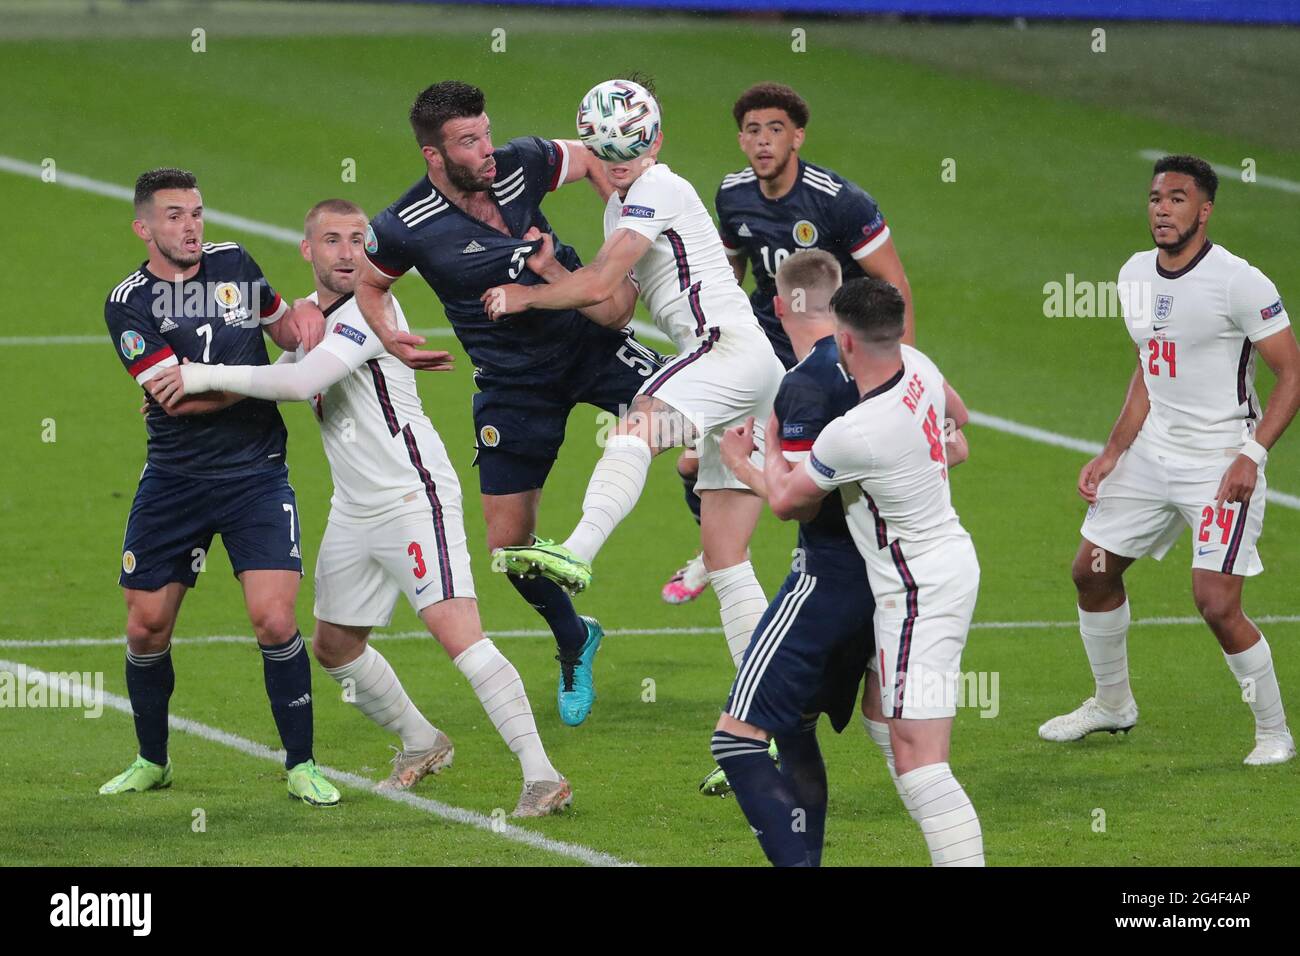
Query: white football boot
[1271, 749]
[1089, 718]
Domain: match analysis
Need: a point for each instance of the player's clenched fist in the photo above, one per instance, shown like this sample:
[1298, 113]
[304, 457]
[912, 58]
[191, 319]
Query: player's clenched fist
[738, 444]
[1093, 474]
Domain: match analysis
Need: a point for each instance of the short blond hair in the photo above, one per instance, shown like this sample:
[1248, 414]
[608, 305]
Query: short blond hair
[814, 271]
[339, 207]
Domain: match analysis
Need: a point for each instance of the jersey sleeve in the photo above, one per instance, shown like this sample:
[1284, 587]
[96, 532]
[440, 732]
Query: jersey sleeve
[1254, 304]
[140, 346]
[730, 241]
[801, 411]
[387, 245]
[270, 307]
[545, 163]
[839, 456]
[651, 206]
[351, 340]
[860, 225]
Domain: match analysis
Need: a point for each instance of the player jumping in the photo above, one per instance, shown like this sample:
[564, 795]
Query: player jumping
[776, 206]
[661, 242]
[887, 457]
[1189, 448]
[395, 524]
[217, 468]
[472, 222]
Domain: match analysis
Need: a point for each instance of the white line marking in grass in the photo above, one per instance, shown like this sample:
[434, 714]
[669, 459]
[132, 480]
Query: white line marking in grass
[613, 632]
[253, 749]
[74, 181]
[1234, 173]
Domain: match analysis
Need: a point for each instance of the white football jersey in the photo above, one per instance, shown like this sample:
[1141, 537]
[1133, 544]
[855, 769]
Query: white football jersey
[886, 455]
[685, 279]
[383, 451]
[1194, 330]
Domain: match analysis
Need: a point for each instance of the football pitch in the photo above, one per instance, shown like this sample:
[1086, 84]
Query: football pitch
[1004, 159]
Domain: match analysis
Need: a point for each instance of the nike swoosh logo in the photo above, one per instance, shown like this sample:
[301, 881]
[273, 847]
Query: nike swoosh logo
[423, 589]
[1202, 552]
[1158, 328]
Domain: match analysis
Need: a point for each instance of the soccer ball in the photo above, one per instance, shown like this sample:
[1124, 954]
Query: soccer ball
[618, 120]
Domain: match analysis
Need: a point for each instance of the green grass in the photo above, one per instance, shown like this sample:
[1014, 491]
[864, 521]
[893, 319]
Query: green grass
[1048, 183]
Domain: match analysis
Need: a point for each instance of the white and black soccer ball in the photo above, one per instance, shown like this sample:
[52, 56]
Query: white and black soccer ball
[618, 120]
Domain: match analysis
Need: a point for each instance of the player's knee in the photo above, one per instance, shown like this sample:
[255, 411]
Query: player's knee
[148, 629]
[1092, 575]
[1218, 609]
[273, 624]
[688, 465]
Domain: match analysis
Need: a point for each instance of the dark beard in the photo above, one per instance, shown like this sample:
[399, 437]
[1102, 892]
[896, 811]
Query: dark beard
[177, 259]
[462, 177]
[778, 171]
[1179, 244]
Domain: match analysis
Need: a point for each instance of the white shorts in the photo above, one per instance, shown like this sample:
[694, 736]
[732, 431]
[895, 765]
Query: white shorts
[730, 376]
[922, 619]
[1143, 506]
[363, 566]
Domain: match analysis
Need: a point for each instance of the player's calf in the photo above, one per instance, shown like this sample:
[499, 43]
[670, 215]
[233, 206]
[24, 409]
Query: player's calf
[765, 796]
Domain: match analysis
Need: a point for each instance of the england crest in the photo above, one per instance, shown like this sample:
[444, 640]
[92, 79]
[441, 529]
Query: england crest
[1164, 305]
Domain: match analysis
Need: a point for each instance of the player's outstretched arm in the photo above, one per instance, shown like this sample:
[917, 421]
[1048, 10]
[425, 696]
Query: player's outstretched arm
[588, 286]
[303, 325]
[957, 416]
[1136, 405]
[1282, 355]
[885, 264]
[583, 164]
[282, 382]
[614, 312]
[376, 305]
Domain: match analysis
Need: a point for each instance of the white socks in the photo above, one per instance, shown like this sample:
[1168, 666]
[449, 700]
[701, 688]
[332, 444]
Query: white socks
[370, 684]
[742, 604]
[501, 692]
[1253, 669]
[878, 731]
[612, 492]
[1105, 640]
[945, 815]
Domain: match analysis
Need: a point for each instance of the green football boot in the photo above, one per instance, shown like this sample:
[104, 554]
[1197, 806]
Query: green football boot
[716, 784]
[142, 775]
[308, 784]
[552, 561]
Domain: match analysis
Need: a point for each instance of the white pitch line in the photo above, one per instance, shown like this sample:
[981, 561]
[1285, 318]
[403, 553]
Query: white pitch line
[253, 749]
[74, 181]
[16, 643]
[1233, 173]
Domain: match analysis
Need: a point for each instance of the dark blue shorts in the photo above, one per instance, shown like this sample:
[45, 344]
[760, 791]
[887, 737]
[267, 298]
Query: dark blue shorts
[519, 428]
[174, 517]
[808, 654]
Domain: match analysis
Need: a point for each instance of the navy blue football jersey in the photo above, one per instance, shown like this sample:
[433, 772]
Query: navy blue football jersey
[214, 317]
[812, 395]
[461, 257]
[822, 211]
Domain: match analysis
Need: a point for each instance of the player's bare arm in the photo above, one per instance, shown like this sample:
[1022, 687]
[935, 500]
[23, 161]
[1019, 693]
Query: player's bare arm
[1136, 405]
[1282, 355]
[587, 286]
[885, 264]
[376, 307]
[792, 495]
[958, 415]
[614, 312]
[739, 265]
[584, 165]
[737, 447]
[303, 325]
